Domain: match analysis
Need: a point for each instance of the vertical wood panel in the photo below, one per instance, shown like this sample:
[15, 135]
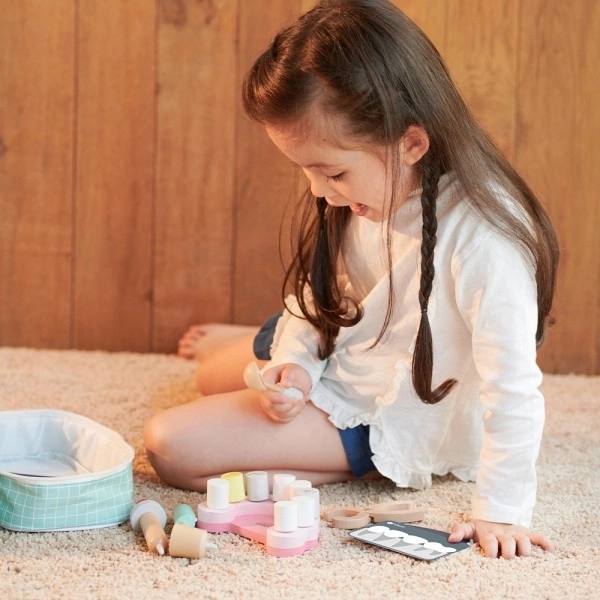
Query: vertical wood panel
[197, 101]
[115, 154]
[481, 52]
[559, 128]
[265, 182]
[306, 5]
[430, 16]
[36, 148]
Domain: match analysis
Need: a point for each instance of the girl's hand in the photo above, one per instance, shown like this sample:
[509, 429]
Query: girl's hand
[499, 539]
[279, 407]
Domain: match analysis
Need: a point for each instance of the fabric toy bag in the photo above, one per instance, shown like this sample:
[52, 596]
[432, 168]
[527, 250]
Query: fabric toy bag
[62, 471]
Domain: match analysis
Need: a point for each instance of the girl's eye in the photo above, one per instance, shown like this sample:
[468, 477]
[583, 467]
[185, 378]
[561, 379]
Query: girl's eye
[335, 177]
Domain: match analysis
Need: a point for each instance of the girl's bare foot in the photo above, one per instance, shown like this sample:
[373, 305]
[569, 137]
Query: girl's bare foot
[199, 341]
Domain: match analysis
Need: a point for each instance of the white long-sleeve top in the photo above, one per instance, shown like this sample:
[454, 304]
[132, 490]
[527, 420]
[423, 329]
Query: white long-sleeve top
[483, 316]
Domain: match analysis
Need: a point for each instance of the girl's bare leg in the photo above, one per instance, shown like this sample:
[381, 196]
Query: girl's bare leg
[222, 352]
[200, 342]
[223, 371]
[189, 444]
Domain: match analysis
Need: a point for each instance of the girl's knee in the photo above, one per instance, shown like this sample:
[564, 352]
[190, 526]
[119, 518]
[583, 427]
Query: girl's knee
[161, 447]
[168, 456]
[154, 437]
[161, 440]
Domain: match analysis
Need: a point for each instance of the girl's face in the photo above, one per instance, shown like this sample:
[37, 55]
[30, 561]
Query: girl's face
[344, 177]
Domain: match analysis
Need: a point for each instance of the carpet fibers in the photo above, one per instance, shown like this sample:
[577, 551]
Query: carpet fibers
[122, 390]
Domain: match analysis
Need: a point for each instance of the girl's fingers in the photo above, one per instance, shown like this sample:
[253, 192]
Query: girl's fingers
[497, 539]
[461, 531]
[542, 541]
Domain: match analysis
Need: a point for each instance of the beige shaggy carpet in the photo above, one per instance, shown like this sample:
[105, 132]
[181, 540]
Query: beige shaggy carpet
[122, 390]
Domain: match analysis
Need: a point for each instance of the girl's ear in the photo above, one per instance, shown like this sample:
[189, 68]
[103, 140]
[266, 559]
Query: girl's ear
[414, 144]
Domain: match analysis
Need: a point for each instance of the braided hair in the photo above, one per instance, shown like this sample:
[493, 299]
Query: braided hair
[422, 363]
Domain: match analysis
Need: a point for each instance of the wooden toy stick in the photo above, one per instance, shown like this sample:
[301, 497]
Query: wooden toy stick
[189, 542]
[149, 517]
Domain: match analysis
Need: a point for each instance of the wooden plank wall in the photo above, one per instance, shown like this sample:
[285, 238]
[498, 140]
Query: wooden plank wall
[136, 198]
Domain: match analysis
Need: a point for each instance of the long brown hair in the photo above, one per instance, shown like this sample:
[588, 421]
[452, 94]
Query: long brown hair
[366, 62]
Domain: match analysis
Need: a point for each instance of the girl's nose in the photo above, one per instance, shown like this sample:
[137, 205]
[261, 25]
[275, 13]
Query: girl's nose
[318, 184]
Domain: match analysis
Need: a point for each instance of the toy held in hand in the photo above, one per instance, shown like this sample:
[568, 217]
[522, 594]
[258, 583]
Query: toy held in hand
[254, 380]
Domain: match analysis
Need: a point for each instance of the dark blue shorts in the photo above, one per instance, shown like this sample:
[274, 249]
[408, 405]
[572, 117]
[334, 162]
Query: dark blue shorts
[358, 451]
[355, 439]
[264, 338]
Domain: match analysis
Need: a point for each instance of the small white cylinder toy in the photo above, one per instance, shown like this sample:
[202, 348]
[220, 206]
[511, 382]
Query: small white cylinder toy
[296, 486]
[257, 486]
[316, 498]
[281, 484]
[285, 516]
[306, 510]
[217, 493]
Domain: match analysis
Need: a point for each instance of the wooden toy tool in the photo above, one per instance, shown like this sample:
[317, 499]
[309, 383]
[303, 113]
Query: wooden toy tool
[254, 380]
[149, 517]
[353, 518]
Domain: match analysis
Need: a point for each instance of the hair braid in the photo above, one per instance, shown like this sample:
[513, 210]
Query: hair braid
[422, 364]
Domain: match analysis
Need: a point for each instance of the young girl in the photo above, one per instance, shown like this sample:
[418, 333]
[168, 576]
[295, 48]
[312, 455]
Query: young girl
[423, 278]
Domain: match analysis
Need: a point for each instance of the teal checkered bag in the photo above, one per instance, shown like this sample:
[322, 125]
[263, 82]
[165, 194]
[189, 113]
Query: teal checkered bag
[61, 471]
